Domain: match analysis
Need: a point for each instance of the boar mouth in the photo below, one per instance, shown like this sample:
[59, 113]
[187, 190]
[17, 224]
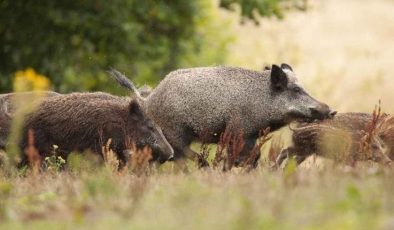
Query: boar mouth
[159, 159]
[311, 117]
[301, 117]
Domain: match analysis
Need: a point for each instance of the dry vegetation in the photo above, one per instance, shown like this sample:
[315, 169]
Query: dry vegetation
[85, 193]
[347, 45]
[92, 196]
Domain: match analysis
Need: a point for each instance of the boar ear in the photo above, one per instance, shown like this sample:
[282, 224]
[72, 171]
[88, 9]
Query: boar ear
[286, 66]
[134, 107]
[278, 78]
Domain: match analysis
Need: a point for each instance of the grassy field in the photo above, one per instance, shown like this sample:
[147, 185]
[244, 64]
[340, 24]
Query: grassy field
[333, 197]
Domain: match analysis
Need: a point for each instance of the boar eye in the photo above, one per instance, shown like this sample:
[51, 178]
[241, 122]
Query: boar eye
[297, 89]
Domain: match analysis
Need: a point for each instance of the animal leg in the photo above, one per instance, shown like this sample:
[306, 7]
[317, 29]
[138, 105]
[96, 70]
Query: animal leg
[284, 154]
[246, 153]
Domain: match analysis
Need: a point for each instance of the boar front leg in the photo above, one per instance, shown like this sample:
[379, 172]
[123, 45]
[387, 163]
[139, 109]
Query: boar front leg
[287, 154]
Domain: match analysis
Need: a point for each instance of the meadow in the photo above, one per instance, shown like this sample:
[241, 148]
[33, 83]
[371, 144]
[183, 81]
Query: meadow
[343, 54]
[87, 196]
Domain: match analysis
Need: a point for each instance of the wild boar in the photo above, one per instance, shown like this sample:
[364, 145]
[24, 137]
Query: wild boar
[200, 103]
[86, 121]
[348, 137]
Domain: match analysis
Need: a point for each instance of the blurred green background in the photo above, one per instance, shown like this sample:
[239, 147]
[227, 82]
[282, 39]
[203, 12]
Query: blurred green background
[73, 42]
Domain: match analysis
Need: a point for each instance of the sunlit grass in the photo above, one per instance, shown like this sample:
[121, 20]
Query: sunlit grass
[289, 199]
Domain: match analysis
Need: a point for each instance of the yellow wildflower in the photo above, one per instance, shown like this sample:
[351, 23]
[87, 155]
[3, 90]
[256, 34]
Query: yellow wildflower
[29, 80]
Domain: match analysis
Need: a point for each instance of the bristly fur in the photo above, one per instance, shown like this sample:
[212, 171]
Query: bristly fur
[8, 107]
[86, 121]
[190, 103]
[386, 134]
[348, 137]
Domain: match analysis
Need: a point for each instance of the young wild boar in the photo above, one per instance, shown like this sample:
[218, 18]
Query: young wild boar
[348, 137]
[8, 107]
[200, 103]
[86, 121]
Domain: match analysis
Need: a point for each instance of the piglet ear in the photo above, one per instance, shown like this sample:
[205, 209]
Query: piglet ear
[134, 107]
[286, 66]
[278, 78]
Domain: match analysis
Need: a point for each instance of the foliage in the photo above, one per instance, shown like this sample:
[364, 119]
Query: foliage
[30, 80]
[54, 163]
[253, 9]
[74, 42]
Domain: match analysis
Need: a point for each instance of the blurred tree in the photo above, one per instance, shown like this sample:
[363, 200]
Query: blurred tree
[72, 42]
[254, 9]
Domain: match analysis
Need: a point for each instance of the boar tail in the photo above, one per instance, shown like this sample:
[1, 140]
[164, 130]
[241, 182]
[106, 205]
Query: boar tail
[125, 82]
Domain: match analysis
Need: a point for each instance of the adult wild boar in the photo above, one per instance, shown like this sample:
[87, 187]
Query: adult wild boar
[200, 103]
[86, 121]
[8, 107]
[348, 137]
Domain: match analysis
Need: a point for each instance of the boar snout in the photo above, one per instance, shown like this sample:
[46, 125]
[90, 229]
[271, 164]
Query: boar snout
[164, 158]
[163, 154]
[332, 114]
[322, 111]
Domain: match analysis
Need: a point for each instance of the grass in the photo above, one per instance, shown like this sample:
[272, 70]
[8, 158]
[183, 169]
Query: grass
[98, 197]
